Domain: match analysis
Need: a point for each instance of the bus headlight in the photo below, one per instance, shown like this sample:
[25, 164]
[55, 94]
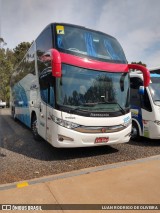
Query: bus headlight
[126, 124]
[64, 123]
[157, 122]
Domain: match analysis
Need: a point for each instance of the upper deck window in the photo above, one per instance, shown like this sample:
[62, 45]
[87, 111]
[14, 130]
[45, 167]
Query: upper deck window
[84, 42]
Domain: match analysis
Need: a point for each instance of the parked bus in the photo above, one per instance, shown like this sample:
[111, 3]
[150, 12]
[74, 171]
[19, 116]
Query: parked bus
[145, 105]
[72, 88]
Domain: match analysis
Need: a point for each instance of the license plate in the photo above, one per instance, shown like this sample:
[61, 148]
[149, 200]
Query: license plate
[101, 140]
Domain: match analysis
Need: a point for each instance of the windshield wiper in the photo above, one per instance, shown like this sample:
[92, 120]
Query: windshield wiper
[94, 104]
[78, 108]
[107, 102]
[123, 111]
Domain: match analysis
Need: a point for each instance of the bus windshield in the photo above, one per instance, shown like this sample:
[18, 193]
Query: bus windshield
[155, 88]
[80, 41]
[82, 89]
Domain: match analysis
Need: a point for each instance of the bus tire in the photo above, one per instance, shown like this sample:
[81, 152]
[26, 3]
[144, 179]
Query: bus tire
[135, 132]
[34, 128]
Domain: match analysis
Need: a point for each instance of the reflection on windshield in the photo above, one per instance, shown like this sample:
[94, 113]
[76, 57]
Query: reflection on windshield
[155, 88]
[91, 90]
[89, 43]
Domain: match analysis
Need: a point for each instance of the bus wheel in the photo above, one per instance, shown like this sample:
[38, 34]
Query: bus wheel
[34, 128]
[134, 132]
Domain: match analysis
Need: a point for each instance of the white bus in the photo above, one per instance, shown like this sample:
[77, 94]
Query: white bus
[145, 105]
[73, 89]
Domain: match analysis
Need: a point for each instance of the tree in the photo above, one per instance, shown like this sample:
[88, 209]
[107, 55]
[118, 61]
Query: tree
[6, 68]
[8, 60]
[20, 51]
[140, 63]
[2, 42]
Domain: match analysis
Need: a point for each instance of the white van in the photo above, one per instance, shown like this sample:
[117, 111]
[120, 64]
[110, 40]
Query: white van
[145, 105]
[2, 104]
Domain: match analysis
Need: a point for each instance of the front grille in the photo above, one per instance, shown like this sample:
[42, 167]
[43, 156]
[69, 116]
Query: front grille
[103, 129]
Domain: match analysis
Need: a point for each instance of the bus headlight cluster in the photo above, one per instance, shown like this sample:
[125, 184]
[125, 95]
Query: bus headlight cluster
[126, 124]
[157, 122]
[64, 123]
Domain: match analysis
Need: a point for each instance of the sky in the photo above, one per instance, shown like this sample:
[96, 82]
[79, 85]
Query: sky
[134, 23]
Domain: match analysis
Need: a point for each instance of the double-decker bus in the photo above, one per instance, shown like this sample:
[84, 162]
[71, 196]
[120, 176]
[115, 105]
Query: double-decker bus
[72, 88]
[145, 105]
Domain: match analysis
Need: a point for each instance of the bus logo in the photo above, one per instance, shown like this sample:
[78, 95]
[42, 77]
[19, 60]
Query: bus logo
[103, 130]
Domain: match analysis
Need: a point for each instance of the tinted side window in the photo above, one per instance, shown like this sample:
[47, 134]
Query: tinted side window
[44, 41]
[43, 44]
[135, 83]
[47, 89]
[26, 66]
[146, 102]
[44, 89]
[135, 97]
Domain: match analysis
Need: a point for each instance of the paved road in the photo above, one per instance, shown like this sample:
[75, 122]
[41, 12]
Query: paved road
[22, 158]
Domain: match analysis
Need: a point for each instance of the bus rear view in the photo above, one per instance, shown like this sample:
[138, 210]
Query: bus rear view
[81, 88]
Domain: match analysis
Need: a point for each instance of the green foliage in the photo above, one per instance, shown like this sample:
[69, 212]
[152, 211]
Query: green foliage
[2, 42]
[6, 67]
[20, 51]
[8, 60]
[140, 63]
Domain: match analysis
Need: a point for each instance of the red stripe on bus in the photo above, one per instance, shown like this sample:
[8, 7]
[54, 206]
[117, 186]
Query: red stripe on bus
[92, 64]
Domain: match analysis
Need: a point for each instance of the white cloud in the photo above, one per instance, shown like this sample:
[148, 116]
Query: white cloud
[24, 20]
[134, 23]
[138, 41]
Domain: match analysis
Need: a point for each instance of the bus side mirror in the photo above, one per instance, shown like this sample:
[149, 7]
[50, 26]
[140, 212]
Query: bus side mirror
[141, 90]
[56, 63]
[52, 59]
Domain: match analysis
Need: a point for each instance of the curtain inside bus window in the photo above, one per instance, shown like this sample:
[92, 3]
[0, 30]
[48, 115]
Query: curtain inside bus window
[52, 96]
[60, 41]
[110, 50]
[90, 45]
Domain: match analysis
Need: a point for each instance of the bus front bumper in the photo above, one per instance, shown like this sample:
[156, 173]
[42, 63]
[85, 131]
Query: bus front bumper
[67, 138]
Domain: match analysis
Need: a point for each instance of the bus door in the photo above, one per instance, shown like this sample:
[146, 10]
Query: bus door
[47, 106]
[50, 108]
[135, 98]
[43, 105]
[42, 118]
[147, 114]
